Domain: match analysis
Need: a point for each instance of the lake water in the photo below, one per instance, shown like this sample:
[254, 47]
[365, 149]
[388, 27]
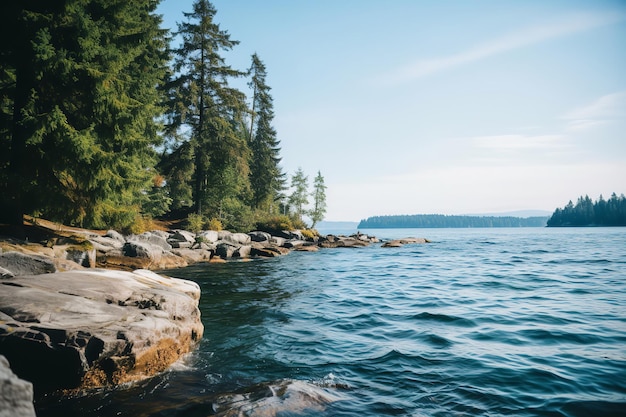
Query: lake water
[481, 322]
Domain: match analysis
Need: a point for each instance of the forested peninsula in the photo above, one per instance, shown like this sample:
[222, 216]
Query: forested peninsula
[584, 213]
[446, 221]
[108, 120]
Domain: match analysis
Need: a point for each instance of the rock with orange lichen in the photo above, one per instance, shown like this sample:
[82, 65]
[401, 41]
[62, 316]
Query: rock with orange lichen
[92, 328]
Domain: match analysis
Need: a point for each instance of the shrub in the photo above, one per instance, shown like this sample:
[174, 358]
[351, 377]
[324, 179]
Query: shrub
[215, 224]
[195, 222]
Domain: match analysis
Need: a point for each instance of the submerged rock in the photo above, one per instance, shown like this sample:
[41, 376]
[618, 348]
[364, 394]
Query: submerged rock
[86, 329]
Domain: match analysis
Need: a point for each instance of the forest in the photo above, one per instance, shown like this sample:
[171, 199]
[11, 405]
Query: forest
[107, 120]
[611, 212]
[446, 221]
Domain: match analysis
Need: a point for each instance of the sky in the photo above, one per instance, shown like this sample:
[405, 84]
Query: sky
[447, 107]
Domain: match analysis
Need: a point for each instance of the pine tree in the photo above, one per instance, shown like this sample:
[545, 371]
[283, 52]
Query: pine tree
[319, 200]
[299, 196]
[266, 177]
[81, 79]
[203, 104]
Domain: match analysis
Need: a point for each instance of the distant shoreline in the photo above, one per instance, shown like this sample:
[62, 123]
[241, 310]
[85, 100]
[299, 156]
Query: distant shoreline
[441, 221]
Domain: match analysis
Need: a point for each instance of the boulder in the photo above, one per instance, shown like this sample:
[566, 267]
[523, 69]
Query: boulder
[238, 238]
[182, 236]
[221, 235]
[259, 236]
[225, 249]
[86, 329]
[209, 236]
[151, 238]
[181, 245]
[83, 256]
[307, 248]
[278, 241]
[294, 243]
[22, 264]
[112, 234]
[268, 251]
[243, 251]
[16, 395]
[143, 250]
[193, 255]
[105, 243]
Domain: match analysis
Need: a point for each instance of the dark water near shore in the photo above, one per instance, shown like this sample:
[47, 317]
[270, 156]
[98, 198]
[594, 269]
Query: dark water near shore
[482, 322]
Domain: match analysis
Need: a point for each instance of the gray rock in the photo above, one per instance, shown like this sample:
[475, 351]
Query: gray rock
[16, 395]
[238, 238]
[259, 236]
[278, 241]
[5, 273]
[143, 250]
[182, 236]
[83, 257]
[105, 244]
[86, 329]
[209, 236]
[181, 245]
[221, 235]
[243, 251]
[115, 235]
[151, 238]
[22, 264]
[225, 250]
[294, 243]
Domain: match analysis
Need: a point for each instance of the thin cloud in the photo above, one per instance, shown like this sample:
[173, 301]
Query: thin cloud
[601, 111]
[533, 35]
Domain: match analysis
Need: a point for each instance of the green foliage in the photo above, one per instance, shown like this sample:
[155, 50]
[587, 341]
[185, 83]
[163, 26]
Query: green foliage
[195, 222]
[80, 78]
[202, 104]
[299, 196]
[236, 215]
[266, 177]
[319, 200]
[215, 224]
[275, 223]
[610, 212]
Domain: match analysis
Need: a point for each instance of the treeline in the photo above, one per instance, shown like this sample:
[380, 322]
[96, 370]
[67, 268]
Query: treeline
[585, 212]
[105, 123]
[445, 221]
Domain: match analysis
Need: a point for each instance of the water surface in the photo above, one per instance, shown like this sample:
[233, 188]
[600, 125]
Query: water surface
[481, 322]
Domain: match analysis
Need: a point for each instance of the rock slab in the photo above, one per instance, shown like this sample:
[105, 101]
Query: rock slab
[93, 328]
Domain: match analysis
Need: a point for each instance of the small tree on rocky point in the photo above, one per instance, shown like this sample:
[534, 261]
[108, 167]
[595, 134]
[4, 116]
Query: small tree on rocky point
[299, 197]
[319, 200]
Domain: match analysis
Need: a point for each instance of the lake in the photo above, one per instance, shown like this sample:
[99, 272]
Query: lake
[480, 322]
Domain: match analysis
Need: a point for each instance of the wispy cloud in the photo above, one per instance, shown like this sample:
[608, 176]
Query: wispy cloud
[519, 142]
[529, 36]
[601, 111]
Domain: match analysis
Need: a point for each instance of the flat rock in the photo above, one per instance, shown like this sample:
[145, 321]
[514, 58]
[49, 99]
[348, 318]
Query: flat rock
[92, 328]
[396, 243]
[23, 264]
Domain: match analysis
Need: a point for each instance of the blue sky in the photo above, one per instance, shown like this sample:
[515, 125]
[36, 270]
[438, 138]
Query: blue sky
[451, 107]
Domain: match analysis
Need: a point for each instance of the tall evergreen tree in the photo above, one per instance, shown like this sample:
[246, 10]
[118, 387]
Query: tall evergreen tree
[204, 105]
[266, 177]
[319, 200]
[299, 196]
[80, 78]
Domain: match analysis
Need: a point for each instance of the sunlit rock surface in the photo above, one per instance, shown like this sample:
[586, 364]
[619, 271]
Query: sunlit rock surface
[93, 328]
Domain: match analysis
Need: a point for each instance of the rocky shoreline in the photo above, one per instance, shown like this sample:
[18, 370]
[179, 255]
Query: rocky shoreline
[84, 310]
